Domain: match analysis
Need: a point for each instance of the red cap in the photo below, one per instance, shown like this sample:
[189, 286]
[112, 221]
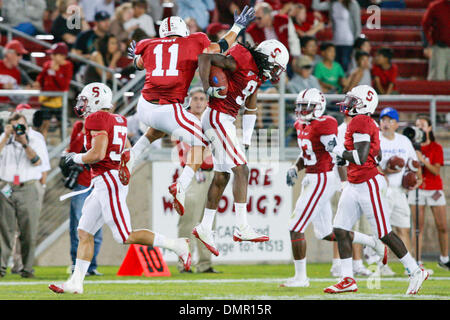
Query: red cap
[215, 27]
[17, 46]
[22, 106]
[59, 48]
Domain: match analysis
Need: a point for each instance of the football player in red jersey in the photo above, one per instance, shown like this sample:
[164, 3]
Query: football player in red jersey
[106, 138]
[246, 68]
[365, 191]
[320, 183]
[170, 63]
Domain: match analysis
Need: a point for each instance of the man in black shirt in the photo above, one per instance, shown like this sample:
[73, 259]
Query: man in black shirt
[85, 43]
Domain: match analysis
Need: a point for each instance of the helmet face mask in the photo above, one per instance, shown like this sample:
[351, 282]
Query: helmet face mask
[350, 105]
[81, 108]
[305, 111]
[310, 105]
[362, 99]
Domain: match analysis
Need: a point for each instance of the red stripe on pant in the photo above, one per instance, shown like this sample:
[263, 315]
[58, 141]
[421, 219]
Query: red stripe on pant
[177, 118]
[116, 188]
[374, 208]
[221, 139]
[111, 204]
[228, 138]
[307, 205]
[379, 205]
[192, 123]
[315, 203]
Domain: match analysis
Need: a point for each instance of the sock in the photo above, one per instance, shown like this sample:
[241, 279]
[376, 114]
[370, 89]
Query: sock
[241, 214]
[163, 242]
[444, 259]
[363, 239]
[347, 267]
[186, 177]
[208, 218]
[79, 272]
[336, 262]
[140, 146]
[300, 269]
[357, 264]
[409, 263]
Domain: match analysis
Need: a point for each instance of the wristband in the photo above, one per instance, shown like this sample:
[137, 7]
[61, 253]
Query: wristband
[236, 28]
[25, 146]
[35, 159]
[78, 158]
[248, 124]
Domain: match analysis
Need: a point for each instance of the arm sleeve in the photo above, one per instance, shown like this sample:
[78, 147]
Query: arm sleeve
[360, 137]
[248, 124]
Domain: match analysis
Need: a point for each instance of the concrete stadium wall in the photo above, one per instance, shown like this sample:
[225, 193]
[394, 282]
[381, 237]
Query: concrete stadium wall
[140, 204]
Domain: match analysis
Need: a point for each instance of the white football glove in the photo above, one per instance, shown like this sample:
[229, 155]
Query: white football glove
[291, 176]
[214, 92]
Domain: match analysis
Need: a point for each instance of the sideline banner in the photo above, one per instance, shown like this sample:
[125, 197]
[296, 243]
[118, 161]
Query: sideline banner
[269, 208]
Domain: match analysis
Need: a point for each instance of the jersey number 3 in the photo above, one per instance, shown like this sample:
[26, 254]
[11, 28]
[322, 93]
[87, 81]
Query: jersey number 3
[158, 52]
[120, 136]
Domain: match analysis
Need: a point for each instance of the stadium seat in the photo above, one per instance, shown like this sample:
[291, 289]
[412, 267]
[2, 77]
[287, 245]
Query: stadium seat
[412, 68]
[396, 17]
[423, 87]
[416, 4]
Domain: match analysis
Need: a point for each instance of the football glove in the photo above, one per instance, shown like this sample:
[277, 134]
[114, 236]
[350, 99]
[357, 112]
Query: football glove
[68, 162]
[131, 49]
[333, 147]
[291, 176]
[243, 20]
[214, 92]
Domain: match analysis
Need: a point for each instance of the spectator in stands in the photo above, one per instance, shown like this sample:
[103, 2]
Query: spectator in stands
[431, 192]
[303, 26]
[268, 26]
[77, 202]
[384, 72]
[124, 13]
[55, 76]
[159, 9]
[361, 74]
[330, 74]
[216, 30]
[25, 15]
[60, 27]
[345, 16]
[85, 43]
[196, 9]
[10, 75]
[21, 157]
[141, 18]
[436, 27]
[192, 25]
[92, 7]
[361, 44]
[226, 9]
[107, 54]
[310, 48]
[303, 78]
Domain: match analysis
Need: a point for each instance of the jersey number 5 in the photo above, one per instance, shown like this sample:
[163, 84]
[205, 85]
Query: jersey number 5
[120, 136]
[172, 71]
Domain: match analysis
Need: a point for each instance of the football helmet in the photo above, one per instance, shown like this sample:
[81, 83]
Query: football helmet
[361, 99]
[94, 97]
[173, 26]
[278, 58]
[310, 104]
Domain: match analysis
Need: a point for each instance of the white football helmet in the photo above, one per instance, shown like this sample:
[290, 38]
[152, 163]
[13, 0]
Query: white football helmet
[361, 99]
[310, 104]
[278, 57]
[173, 26]
[94, 97]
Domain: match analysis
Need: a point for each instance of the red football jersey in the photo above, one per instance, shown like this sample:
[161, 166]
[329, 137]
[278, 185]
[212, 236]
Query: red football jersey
[116, 127]
[241, 83]
[316, 158]
[363, 124]
[435, 155]
[170, 65]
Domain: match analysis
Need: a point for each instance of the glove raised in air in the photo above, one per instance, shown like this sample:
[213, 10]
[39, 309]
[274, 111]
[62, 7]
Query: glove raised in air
[243, 20]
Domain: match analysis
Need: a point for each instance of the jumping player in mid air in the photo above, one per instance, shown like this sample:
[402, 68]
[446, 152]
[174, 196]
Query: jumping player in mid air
[319, 184]
[365, 191]
[105, 140]
[246, 68]
[170, 63]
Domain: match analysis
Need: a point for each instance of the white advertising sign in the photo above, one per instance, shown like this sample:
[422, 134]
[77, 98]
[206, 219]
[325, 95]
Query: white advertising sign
[269, 208]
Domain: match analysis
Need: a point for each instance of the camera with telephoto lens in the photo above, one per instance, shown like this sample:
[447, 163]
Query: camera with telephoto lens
[72, 178]
[19, 129]
[415, 135]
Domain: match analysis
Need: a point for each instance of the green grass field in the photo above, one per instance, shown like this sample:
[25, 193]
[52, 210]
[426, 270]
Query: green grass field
[237, 282]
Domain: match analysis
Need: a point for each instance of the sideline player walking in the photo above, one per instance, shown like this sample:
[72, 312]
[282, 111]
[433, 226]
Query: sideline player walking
[365, 192]
[106, 137]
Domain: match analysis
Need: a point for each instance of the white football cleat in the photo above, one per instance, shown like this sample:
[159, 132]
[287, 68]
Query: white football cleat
[296, 283]
[415, 281]
[66, 287]
[183, 252]
[126, 165]
[381, 250]
[345, 285]
[178, 194]
[206, 237]
[248, 234]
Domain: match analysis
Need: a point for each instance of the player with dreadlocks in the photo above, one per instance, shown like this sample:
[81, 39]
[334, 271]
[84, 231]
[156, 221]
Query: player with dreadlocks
[246, 68]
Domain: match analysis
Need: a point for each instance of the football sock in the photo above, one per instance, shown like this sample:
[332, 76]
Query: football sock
[357, 264]
[444, 259]
[363, 239]
[241, 214]
[186, 177]
[347, 267]
[163, 242]
[409, 263]
[208, 218]
[336, 262]
[300, 269]
[140, 146]
[79, 272]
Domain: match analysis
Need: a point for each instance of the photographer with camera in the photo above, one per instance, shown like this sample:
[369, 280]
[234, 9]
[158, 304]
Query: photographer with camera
[431, 157]
[78, 178]
[21, 157]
